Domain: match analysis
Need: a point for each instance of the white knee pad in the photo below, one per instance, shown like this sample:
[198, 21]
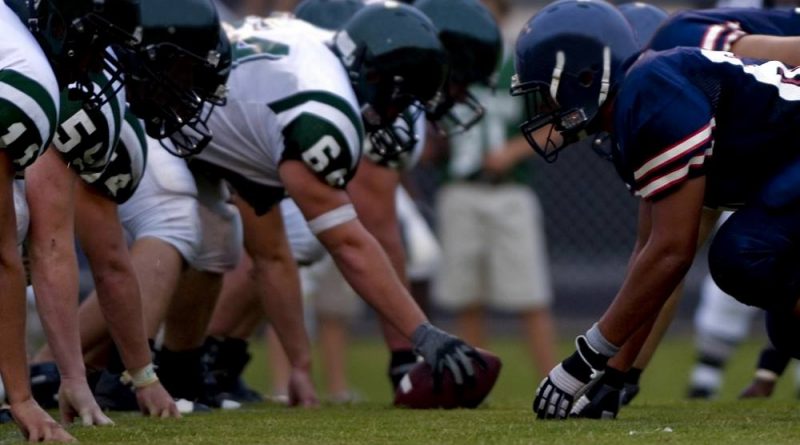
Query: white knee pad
[21, 210]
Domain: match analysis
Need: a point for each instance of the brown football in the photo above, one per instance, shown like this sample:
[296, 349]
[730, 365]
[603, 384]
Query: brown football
[416, 389]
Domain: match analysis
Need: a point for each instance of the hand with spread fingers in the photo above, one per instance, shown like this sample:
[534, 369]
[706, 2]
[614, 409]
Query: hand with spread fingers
[36, 425]
[75, 401]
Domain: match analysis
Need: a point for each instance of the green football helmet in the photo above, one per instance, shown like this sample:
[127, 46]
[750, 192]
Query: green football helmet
[394, 58]
[474, 45]
[327, 14]
[178, 72]
[75, 35]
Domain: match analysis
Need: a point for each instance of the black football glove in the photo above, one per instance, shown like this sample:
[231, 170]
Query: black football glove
[444, 351]
[602, 401]
[568, 381]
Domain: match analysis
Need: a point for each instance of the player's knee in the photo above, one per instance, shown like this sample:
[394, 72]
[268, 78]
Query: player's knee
[783, 328]
[752, 269]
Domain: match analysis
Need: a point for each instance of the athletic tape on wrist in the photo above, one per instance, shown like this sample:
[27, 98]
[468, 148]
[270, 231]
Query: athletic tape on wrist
[142, 377]
[335, 217]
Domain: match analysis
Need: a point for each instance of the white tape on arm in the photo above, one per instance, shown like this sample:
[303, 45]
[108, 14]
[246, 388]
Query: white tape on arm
[335, 217]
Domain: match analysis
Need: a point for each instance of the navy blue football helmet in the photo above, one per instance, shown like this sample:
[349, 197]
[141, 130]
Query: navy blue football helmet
[569, 58]
[644, 18]
[327, 14]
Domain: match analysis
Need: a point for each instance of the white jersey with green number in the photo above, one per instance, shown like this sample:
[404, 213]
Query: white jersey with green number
[28, 93]
[289, 98]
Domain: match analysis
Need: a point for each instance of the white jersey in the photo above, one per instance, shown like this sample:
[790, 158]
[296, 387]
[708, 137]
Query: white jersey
[289, 99]
[28, 93]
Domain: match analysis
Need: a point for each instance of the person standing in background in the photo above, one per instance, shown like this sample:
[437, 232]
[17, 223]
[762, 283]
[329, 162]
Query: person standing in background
[490, 223]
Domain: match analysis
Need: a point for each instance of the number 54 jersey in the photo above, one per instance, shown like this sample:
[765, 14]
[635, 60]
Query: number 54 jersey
[289, 99]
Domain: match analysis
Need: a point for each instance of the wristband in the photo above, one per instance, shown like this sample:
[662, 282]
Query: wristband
[143, 377]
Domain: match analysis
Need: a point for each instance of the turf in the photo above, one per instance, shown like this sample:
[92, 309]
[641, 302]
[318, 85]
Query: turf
[659, 415]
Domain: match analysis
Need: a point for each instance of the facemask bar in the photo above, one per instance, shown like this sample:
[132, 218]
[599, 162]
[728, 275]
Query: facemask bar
[193, 137]
[543, 110]
[390, 143]
[441, 114]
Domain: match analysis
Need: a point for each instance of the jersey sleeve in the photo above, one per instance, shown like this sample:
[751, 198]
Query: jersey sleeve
[324, 132]
[86, 137]
[125, 169]
[698, 30]
[665, 137]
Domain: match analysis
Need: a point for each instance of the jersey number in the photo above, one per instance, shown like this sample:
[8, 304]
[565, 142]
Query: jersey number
[319, 157]
[71, 128]
[15, 131]
[254, 48]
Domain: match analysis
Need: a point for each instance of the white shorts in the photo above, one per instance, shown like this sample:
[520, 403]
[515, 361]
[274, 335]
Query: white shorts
[331, 295]
[423, 253]
[222, 241]
[493, 248]
[165, 204]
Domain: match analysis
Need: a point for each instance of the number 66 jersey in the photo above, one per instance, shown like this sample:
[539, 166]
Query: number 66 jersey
[289, 99]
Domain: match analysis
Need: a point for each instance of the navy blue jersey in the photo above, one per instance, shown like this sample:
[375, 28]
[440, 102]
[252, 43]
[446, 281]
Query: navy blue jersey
[687, 112]
[719, 29]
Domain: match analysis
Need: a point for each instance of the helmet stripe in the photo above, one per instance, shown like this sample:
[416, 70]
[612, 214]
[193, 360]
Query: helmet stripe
[561, 60]
[605, 81]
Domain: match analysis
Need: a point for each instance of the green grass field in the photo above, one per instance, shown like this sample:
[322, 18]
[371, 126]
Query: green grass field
[659, 415]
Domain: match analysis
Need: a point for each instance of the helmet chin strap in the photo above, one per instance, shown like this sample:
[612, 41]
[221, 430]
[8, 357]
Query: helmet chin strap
[605, 81]
[561, 60]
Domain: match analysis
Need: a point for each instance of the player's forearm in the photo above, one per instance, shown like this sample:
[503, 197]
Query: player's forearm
[278, 286]
[650, 280]
[13, 363]
[368, 270]
[101, 236]
[55, 281]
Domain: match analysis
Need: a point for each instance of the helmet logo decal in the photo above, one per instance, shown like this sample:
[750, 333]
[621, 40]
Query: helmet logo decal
[605, 82]
[346, 47]
[561, 59]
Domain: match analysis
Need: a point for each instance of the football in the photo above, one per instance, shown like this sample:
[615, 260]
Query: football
[416, 389]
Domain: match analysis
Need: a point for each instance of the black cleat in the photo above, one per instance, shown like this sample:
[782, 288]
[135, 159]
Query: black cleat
[225, 359]
[45, 381]
[113, 395]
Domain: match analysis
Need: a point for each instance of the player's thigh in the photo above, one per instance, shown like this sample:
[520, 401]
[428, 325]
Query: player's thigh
[222, 240]
[755, 256]
[165, 207]
[333, 297]
[518, 262]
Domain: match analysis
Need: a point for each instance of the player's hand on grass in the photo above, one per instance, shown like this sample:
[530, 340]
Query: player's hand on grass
[568, 381]
[75, 400]
[36, 425]
[445, 351]
[155, 401]
[301, 388]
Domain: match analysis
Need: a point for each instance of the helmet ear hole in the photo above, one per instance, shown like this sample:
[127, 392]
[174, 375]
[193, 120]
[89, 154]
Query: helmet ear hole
[585, 78]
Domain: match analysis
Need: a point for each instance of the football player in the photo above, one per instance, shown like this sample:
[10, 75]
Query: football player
[159, 66]
[308, 142]
[472, 41]
[171, 75]
[63, 42]
[744, 31]
[690, 128]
